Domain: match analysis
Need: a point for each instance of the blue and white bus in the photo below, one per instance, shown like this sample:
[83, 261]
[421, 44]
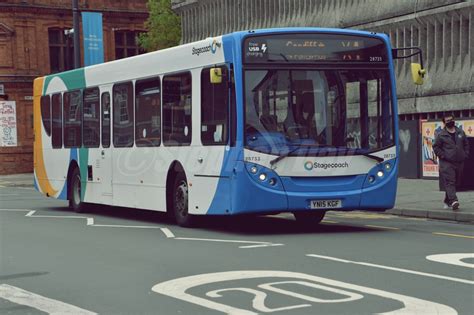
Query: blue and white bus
[300, 120]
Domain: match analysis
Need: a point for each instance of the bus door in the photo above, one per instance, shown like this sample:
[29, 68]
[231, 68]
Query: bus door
[210, 182]
[104, 171]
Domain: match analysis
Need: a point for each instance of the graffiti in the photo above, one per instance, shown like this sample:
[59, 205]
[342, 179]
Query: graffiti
[405, 138]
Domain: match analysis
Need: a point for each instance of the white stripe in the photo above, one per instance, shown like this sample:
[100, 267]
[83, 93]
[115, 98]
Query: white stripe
[431, 275]
[257, 244]
[50, 306]
[167, 232]
[453, 259]
[127, 226]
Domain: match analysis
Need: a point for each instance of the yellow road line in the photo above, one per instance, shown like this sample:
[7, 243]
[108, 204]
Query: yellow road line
[382, 227]
[453, 235]
[329, 221]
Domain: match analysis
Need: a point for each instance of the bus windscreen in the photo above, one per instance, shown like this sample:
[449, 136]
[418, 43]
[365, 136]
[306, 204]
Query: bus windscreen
[313, 48]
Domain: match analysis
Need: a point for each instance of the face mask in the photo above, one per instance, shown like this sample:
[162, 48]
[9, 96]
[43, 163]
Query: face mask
[450, 124]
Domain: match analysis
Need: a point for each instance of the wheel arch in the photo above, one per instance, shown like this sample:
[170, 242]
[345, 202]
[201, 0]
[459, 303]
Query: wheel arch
[175, 168]
[72, 166]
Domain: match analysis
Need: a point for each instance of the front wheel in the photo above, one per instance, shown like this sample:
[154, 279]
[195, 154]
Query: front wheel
[75, 189]
[180, 202]
[309, 219]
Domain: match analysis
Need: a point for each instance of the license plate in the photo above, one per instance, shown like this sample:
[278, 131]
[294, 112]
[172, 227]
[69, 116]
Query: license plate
[326, 204]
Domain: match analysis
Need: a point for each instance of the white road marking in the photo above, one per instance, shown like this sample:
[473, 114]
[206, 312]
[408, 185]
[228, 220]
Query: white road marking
[453, 259]
[167, 232]
[90, 222]
[50, 306]
[3, 195]
[179, 288]
[453, 235]
[257, 244]
[431, 275]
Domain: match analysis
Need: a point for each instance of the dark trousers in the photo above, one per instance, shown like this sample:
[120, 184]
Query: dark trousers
[449, 178]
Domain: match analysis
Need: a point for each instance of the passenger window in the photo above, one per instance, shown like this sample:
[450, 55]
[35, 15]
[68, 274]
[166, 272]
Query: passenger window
[72, 119]
[214, 108]
[105, 120]
[123, 115]
[46, 113]
[91, 129]
[148, 113]
[57, 121]
[177, 109]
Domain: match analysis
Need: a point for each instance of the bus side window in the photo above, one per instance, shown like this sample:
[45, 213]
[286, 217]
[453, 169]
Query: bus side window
[123, 115]
[91, 128]
[105, 119]
[177, 109]
[148, 113]
[57, 117]
[214, 108]
[72, 117]
[46, 113]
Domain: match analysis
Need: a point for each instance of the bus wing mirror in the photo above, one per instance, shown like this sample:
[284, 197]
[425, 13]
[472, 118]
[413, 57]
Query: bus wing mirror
[417, 73]
[216, 75]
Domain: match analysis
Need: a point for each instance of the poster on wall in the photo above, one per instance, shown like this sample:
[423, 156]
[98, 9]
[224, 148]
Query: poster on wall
[429, 131]
[8, 129]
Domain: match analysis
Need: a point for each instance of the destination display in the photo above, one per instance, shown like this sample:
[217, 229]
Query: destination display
[313, 48]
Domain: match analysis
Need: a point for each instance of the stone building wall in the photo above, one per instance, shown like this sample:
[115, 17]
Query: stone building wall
[442, 28]
[24, 55]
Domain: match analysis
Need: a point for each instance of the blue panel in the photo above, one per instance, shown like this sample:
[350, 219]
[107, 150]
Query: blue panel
[228, 42]
[63, 194]
[382, 192]
[35, 183]
[93, 38]
[323, 184]
[253, 197]
[222, 197]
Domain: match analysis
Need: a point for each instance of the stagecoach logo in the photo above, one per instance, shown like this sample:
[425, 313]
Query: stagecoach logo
[212, 48]
[312, 165]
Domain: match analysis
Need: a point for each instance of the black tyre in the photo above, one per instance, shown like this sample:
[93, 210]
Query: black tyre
[309, 219]
[75, 190]
[180, 202]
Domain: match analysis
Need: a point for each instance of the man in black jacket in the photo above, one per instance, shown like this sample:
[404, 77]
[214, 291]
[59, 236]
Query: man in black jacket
[452, 148]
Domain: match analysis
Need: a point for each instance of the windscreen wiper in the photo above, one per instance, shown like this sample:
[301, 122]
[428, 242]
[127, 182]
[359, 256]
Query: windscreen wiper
[281, 157]
[374, 157]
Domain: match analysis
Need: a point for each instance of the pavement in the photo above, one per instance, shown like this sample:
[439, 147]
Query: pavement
[415, 198]
[422, 198]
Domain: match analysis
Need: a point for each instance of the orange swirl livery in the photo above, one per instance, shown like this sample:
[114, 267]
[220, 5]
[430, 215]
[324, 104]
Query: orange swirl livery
[40, 170]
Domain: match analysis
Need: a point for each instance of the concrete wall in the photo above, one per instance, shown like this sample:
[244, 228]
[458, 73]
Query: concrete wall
[442, 28]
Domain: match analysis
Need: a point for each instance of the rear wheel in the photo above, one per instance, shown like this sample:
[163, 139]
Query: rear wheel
[309, 219]
[75, 190]
[180, 202]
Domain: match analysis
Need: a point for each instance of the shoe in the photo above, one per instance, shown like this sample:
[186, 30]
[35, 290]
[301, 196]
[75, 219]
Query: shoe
[446, 206]
[455, 205]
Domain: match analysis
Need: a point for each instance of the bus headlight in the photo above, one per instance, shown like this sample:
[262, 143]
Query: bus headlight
[262, 177]
[380, 174]
[253, 170]
[371, 179]
[388, 167]
[272, 181]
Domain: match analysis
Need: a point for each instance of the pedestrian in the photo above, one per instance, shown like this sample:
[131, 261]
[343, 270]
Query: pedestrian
[452, 148]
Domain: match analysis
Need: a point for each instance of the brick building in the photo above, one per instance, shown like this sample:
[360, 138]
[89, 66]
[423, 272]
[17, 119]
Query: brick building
[33, 43]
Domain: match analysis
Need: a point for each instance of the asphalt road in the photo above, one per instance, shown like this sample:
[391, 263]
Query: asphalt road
[124, 261]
